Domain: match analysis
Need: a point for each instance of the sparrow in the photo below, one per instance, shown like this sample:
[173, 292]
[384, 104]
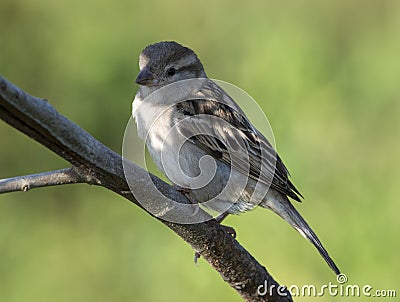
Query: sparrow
[200, 138]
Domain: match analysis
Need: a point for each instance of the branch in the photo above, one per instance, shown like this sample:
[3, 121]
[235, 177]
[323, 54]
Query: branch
[94, 163]
[46, 179]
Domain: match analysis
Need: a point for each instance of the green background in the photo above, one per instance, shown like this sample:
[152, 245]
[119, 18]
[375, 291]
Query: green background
[327, 75]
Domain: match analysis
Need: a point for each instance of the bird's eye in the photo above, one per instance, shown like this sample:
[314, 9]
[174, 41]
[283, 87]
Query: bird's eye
[171, 71]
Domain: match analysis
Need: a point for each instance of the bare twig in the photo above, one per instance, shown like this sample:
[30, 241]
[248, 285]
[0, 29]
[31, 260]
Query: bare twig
[46, 179]
[95, 163]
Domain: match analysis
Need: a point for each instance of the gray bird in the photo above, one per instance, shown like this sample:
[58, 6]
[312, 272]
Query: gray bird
[186, 120]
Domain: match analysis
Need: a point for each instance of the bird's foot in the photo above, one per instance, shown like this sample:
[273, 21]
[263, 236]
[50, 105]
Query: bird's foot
[186, 191]
[230, 230]
[183, 190]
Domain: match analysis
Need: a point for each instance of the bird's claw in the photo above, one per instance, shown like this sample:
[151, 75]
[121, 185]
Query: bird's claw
[230, 230]
[183, 190]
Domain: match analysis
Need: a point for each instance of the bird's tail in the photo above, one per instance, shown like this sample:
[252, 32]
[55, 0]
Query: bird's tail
[288, 212]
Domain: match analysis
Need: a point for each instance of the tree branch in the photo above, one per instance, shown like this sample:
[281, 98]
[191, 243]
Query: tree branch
[46, 179]
[94, 163]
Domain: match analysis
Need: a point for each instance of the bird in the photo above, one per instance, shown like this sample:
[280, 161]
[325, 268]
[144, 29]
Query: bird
[203, 142]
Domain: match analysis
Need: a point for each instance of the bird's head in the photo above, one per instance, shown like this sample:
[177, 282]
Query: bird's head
[164, 63]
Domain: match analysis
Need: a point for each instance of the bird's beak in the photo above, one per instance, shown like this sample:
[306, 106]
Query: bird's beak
[146, 78]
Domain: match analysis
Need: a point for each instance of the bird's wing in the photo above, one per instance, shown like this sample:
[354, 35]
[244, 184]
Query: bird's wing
[226, 134]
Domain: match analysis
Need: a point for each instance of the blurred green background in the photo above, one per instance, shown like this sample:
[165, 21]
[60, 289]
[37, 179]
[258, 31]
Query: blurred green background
[327, 75]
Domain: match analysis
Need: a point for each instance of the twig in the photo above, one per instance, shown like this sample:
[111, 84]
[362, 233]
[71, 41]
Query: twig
[45, 179]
